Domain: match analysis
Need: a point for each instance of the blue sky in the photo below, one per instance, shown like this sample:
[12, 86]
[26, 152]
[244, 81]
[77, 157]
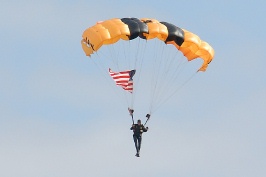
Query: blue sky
[58, 119]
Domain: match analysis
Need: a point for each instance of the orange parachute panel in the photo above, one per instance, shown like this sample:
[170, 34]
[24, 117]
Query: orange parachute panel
[156, 29]
[193, 47]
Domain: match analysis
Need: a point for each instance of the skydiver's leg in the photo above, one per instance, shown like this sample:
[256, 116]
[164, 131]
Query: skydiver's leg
[139, 142]
[136, 143]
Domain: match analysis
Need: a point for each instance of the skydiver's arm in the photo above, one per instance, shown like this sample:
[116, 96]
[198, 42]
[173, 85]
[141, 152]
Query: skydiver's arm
[145, 129]
[132, 127]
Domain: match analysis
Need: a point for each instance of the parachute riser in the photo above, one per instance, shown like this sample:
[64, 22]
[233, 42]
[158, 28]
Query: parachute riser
[146, 122]
[148, 118]
[132, 119]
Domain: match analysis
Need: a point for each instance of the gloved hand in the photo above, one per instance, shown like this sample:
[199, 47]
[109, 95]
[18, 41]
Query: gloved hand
[130, 111]
[148, 116]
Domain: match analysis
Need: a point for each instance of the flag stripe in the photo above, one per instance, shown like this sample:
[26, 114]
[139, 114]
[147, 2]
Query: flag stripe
[123, 79]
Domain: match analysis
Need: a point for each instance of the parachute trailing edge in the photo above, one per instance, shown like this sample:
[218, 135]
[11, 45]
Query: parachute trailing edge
[110, 31]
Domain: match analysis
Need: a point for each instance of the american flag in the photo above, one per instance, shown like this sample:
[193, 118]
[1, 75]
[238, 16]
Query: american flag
[123, 79]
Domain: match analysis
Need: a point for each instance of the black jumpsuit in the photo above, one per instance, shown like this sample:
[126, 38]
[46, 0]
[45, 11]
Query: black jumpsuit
[137, 136]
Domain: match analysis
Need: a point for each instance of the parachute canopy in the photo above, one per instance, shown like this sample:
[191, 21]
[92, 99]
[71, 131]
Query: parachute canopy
[155, 52]
[110, 31]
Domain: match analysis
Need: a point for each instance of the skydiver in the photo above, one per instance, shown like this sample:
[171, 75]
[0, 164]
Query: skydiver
[138, 129]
